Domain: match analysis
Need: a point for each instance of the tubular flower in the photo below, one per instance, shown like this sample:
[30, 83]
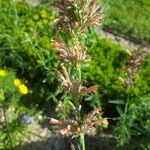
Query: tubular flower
[2, 73]
[77, 55]
[72, 126]
[23, 89]
[73, 18]
[17, 82]
[133, 66]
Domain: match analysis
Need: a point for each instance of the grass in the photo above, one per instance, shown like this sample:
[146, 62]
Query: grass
[129, 17]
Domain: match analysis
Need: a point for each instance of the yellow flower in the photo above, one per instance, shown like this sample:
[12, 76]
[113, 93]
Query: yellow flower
[23, 89]
[17, 82]
[2, 73]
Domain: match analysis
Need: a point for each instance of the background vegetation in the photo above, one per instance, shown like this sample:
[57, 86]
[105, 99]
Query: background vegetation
[129, 18]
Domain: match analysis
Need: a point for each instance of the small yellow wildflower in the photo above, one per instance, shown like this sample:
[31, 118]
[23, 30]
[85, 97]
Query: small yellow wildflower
[17, 82]
[23, 89]
[2, 73]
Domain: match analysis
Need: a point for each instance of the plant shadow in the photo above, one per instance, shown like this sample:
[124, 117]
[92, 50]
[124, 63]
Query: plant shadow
[65, 143]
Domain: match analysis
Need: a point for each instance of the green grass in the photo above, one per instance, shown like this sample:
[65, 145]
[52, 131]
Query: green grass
[128, 17]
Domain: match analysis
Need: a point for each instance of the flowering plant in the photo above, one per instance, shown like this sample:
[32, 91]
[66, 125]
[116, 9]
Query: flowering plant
[11, 90]
[72, 19]
[134, 119]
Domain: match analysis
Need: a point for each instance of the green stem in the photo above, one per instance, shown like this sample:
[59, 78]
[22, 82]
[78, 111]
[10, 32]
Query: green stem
[79, 72]
[82, 141]
[127, 103]
[81, 138]
[126, 106]
[78, 100]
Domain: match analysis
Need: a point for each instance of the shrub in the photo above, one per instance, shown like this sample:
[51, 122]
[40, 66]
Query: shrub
[24, 45]
[108, 63]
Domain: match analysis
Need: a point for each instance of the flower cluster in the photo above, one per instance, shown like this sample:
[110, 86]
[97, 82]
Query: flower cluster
[73, 18]
[133, 65]
[22, 88]
[76, 16]
[74, 56]
[72, 126]
[73, 86]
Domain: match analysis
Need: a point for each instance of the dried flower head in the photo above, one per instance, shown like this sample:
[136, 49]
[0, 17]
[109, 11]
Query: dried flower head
[133, 65]
[72, 86]
[73, 18]
[74, 56]
[77, 15]
[73, 127]
[64, 78]
[135, 62]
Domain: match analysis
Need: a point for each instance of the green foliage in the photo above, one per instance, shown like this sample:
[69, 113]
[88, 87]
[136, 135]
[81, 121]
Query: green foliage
[128, 17]
[105, 67]
[108, 63]
[134, 124]
[25, 34]
[11, 129]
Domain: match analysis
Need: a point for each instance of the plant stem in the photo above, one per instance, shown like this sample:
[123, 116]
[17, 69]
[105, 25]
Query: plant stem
[127, 103]
[81, 138]
[82, 141]
[79, 72]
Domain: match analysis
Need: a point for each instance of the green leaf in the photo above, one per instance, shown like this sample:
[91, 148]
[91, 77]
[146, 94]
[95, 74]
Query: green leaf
[117, 101]
[119, 110]
[2, 136]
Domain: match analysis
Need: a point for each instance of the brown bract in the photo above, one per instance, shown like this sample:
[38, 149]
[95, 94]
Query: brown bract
[72, 127]
[64, 78]
[74, 56]
[77, 15]
[67, 126]
[135, 61]
[133, 66]
[72, 86]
